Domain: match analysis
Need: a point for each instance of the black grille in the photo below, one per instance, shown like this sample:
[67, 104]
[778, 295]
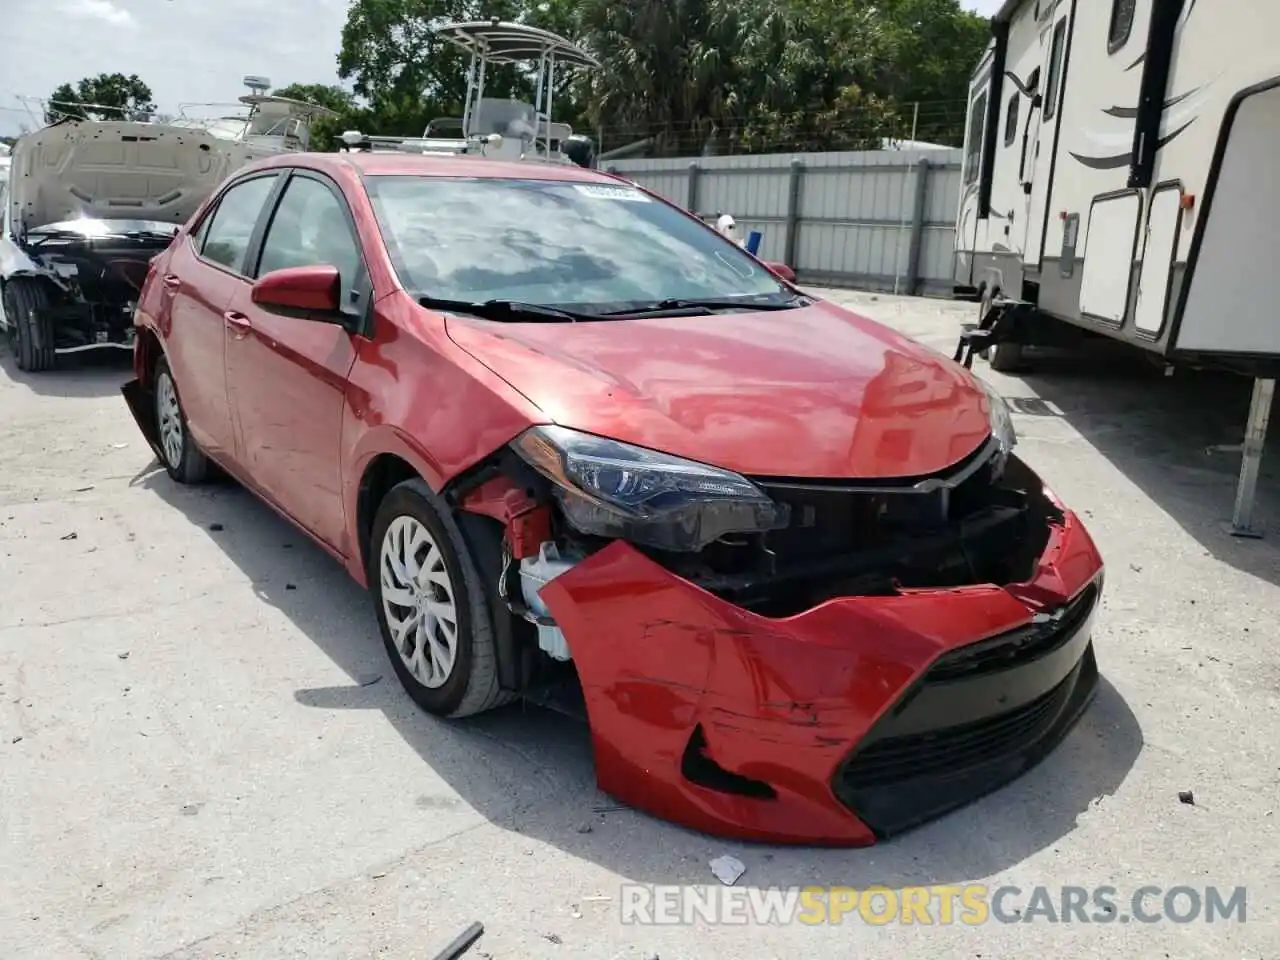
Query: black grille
[949, 740]
[956, 748]
[832, 518]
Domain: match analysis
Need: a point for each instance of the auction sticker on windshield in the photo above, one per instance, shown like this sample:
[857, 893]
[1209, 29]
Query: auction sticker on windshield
[599, 192]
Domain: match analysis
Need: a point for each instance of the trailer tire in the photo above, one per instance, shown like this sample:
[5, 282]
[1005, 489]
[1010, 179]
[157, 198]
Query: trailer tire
[31, 329]
[1007, 358]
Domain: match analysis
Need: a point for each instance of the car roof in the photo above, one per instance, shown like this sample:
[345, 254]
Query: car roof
[434, 165]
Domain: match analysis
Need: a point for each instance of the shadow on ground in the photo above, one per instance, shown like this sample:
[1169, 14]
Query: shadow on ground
[530, 771]
[76, 375]
[1174, 437]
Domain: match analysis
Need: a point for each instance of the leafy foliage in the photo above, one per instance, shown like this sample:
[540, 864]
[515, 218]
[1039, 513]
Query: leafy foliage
[692, 76]
[108, 96]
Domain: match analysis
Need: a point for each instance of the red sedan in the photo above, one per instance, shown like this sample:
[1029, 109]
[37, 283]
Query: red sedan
[577, 443]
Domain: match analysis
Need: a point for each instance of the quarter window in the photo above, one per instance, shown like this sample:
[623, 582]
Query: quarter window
[1121, 23]
[973, 143]
[309, 228]
[228, 232]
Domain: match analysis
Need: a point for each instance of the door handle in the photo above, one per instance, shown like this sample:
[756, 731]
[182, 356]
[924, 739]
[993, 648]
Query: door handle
[239, 323]
[172, 281]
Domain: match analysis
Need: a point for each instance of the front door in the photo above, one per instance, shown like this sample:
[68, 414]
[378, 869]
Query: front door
[287, 375]
[199, 281]
[1042, 145]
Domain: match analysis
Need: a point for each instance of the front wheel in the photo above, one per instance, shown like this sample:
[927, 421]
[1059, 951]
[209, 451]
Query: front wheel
[182, 458]
[31, 328]
[432, 605]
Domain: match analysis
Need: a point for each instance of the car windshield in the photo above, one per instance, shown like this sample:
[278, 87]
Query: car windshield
[588, 246]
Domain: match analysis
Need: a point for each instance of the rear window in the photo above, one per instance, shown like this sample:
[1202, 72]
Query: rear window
[554, 243]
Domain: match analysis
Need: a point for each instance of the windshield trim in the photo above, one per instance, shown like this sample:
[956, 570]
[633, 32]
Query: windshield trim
[725, 248]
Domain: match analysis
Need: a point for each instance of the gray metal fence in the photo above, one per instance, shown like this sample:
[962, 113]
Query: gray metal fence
[877, 220]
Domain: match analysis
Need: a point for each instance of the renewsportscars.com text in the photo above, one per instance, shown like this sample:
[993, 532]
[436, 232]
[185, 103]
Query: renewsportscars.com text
[943, 905]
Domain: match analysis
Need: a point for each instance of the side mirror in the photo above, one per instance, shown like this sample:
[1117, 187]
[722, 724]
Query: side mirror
[312, 289]
[783, 271]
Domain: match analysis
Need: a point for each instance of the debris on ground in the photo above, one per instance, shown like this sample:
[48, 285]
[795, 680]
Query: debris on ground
[584, 828]
[1187, 797]
[16, 740]
[69, 536]
[728, 869]
[215, 527]
[124, 655]
[552, 938]
[290, 586]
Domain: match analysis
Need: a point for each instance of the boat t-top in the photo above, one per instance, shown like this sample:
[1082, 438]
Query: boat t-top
[262, 123]
[492, 127]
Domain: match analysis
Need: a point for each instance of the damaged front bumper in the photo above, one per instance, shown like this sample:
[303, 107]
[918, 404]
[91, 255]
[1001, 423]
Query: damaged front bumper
[841, 725]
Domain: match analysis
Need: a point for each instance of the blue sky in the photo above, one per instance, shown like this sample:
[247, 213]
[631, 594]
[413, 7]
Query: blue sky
[186, 50]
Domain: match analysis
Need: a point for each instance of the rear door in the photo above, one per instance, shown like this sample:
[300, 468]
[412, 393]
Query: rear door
[287, 375]
[200, 278]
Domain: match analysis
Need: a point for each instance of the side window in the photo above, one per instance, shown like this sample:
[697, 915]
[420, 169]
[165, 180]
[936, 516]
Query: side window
[973, 150]
[1121, 23]
[228, 232]
[1055, 69]
[1011, 118]
[309, 228]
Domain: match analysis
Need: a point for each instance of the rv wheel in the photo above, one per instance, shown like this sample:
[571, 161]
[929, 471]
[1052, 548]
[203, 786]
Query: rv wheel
[1006, 357]
[26, 304]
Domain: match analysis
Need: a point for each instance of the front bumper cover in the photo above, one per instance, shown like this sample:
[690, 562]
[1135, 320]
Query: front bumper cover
[840, 726]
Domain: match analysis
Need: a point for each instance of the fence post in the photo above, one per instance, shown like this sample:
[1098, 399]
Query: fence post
[793, 214]
[917, 227]
[691, 191]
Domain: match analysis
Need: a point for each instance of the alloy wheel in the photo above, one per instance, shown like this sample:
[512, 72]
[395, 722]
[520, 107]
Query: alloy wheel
[419, 602]
[169, 420]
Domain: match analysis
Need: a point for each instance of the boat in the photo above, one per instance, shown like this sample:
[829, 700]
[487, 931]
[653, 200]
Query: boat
[499, 128]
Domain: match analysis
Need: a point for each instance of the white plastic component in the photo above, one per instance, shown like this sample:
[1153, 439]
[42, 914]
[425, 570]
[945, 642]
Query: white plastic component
[536, 573]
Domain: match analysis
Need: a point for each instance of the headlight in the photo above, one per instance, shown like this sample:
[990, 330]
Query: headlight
[1000, 418]
[615, 490]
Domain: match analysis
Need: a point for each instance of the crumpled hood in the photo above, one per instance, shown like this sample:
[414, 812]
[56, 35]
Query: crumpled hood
[814, 392]
[110, 170]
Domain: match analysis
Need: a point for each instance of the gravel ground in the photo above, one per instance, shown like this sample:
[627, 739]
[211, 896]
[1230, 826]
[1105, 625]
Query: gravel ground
[204, 754]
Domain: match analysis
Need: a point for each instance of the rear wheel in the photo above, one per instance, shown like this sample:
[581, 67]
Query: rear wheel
[31, 329]
[432, 605]
[182, 458]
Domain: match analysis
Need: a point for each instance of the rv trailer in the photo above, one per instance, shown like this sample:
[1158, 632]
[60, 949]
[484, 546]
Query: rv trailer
[1118, 179]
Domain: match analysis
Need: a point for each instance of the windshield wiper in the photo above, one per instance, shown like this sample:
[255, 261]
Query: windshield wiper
[511, 310]
[149, 234]
[709, 303]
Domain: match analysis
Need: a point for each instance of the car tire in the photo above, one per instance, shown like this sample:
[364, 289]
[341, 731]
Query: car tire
[183, 460]
[31, 329]
[432, 605]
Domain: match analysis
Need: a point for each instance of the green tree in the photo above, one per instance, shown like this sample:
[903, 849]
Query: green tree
[410, 76]
[695, 75]
[108, 96]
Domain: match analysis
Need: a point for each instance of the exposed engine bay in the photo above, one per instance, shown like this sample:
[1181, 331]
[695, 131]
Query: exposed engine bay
[88, 275]
[775, 547]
